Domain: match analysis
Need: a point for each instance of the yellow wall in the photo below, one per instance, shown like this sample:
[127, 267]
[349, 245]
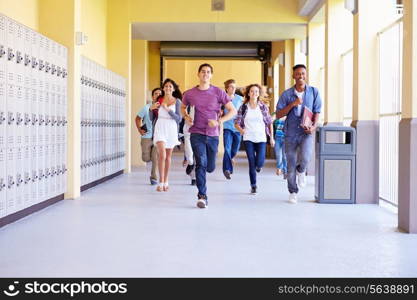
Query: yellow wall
[185, 71]
[283, 11]
[338, 39]
[119, 49]
[94, 25]
[409, 89]
[289, 63]
[276, 49]
[59, 20]
[23, 11]
[365, 59]
[299, 57]
[139, 93]
[315, 60]
[154, 65]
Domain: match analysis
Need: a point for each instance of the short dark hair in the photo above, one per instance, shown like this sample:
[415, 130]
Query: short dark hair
[205, 65]
[156, 89]
[299, 66]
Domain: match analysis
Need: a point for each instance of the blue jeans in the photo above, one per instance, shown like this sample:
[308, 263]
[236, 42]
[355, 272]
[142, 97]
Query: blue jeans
[205, 151]
[231, 141]
[303, 146]
[280, 154]
[256, 158]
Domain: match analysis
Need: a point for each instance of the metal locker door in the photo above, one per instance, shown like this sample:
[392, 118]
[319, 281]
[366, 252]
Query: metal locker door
[11, 130]
[41, 173]
[88, 131]
[26, 177]
[52, 167]
[64, 110]
[34, 174]
[58, 169]
[3, 182]
[3, 35]
[11, 181]
[3, 81]
[3, 115]
[34, 114]
[83, 125]
[41, 98]
[19, 115]
[47, 172]
[19, 178]
[27, 86]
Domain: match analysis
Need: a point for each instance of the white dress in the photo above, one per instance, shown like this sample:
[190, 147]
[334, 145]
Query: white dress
[166, 129]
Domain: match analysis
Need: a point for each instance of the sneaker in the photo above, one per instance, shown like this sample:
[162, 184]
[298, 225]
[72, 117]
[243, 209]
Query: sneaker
[253, 190]
[258, 170]
[227, 174]
[292, 198]
[189, 169]
[202, 201]
[193, 182]
[301, 179]
[153, 181]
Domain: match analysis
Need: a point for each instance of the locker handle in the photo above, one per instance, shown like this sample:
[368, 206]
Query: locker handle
[19, 57]
[11, 118]
[27, 119]
[11, 182]
[27, 60]
[34, 62]
[2, 52]
[10, 54]
[19, 119]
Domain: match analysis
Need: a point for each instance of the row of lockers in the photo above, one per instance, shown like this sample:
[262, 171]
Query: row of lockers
[33, 105]
[103, 99]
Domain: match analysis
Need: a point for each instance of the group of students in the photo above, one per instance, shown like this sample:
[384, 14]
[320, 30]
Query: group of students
[204, 107]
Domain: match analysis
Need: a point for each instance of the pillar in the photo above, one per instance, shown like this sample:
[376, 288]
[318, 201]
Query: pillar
[407, 188]
[372, 16]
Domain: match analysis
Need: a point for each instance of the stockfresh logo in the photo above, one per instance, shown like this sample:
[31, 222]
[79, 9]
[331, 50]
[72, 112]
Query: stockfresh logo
[11, 290]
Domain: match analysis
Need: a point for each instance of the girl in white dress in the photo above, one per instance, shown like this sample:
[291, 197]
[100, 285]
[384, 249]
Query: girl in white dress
[165, 135]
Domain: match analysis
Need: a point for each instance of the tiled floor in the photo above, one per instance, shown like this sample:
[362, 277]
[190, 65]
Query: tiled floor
[124, 228]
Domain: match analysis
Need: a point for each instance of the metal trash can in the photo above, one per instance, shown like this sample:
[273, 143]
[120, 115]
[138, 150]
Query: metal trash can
[335, 164]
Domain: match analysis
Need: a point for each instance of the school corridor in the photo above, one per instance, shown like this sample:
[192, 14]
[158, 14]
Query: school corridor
[124, 228]
[75, 192]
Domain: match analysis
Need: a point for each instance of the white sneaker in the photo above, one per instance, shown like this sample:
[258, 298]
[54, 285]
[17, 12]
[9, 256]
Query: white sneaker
[292, 198]
[301, 179]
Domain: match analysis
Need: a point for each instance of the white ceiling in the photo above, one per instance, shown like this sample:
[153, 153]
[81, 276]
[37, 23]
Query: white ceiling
[217, 31]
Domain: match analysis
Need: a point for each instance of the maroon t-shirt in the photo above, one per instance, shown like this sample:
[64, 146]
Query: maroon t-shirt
[207, 104]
